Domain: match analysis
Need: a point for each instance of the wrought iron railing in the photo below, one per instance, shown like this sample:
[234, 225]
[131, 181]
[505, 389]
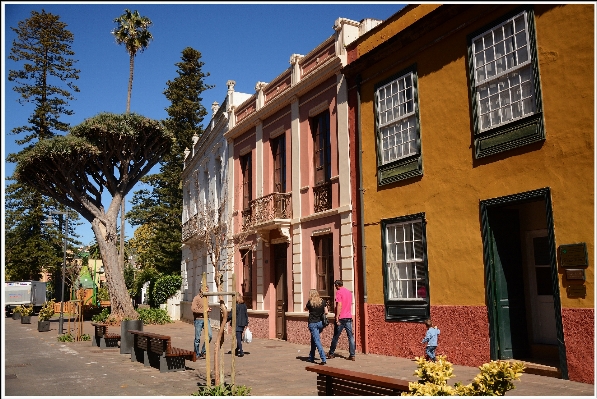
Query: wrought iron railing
[322, 197]
[192, 228]
[189, 228]
[247, 220]
[267, 208]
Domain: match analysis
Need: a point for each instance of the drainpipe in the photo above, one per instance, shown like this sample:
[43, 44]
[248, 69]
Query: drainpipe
[361, 211]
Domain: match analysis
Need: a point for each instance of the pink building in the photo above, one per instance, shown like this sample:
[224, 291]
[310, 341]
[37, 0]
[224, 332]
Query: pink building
[290, 189]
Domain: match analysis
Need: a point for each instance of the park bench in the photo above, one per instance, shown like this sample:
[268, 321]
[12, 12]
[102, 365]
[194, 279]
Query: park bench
[339, 382]
[103, 338]
[156, 350]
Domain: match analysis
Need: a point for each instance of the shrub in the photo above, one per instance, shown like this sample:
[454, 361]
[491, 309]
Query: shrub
[85, 337]
[224, 389]
[18, 309]
[495, 379]
[103, 294]
[102, 317]
[47, 311]
[66, 338]
[165, 287]
[154, 316]
[26, 311]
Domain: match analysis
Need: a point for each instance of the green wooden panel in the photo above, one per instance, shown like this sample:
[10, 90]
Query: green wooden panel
[400, 172]
[506, 261]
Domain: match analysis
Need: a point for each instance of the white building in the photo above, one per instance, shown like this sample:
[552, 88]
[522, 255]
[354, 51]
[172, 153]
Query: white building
[205, 179]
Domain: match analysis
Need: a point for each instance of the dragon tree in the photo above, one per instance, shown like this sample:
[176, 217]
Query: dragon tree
[108, 152]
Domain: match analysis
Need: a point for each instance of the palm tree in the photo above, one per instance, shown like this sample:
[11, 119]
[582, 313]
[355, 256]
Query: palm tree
[132, 31]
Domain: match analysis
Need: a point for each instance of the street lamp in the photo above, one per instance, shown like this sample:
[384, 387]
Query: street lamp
[49, 221]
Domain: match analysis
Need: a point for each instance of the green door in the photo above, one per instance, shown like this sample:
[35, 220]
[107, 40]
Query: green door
[508, 285]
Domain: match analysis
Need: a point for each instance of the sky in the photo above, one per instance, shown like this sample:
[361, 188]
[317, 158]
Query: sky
[246, 42]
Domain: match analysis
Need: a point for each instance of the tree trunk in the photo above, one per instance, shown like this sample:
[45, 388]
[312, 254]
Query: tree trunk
[121, 259]
[120, 300]
[130, 90]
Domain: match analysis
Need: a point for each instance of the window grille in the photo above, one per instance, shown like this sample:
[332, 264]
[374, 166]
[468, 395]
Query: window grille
[502, 73]
[405, 268]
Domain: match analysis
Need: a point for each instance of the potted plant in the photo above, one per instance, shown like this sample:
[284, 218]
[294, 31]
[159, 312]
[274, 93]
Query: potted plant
[103, 296]
[16, 313]
[26, 314]
[45, 314]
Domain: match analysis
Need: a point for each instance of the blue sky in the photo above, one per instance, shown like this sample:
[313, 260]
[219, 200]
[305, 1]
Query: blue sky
[244, 41]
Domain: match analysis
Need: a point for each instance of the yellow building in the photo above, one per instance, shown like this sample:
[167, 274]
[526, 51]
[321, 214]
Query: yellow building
[472, 144]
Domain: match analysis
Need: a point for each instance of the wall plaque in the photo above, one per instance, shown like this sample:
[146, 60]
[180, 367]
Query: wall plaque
[576, 291]
[574, 255]
[575, 274]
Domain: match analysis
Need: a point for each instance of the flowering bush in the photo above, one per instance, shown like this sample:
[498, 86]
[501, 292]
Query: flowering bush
[495, 379]
[47, 311]
[24, 311]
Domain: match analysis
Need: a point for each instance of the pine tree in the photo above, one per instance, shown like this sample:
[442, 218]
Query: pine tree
[44, 78]
[162, 205]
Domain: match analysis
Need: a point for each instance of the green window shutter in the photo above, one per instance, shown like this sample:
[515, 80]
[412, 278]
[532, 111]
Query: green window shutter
[520, 132]
[409, 166]
[410, 310]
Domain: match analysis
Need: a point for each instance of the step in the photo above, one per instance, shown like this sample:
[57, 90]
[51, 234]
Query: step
[540, 369]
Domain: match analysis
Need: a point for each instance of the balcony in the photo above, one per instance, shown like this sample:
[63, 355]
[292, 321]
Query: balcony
[322, 197]
[191, 228]
[267, 209]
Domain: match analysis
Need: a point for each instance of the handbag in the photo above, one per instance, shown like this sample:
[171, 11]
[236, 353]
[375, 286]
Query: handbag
[324, 320]
[248, 336]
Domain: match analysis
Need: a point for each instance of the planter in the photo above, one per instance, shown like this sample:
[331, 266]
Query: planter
[16, 316]
[104, 304]
[126, 338]
[25, 319]
[43, 325]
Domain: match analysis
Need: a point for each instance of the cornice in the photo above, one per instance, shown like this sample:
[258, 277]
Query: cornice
[318, 75]
[411, 33]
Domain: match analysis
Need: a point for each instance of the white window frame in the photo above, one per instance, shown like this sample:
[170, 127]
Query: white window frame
[507, 95]
[394, 278]
[397, 124]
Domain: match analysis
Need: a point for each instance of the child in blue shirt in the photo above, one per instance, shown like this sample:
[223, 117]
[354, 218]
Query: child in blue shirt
[431, 339]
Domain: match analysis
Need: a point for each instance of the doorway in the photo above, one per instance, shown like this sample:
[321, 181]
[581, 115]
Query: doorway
[522, 282]
[280, 262]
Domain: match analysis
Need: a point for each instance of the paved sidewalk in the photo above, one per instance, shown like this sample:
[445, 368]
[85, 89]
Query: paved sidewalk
[36, 364]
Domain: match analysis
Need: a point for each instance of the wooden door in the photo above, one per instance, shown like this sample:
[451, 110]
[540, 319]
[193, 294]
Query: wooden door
[509, 302]
[280, 259]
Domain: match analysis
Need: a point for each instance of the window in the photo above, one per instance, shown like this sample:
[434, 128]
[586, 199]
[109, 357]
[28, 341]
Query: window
[322, 162]
[246, 169]
[505, 85]
[320, 127]
[397, 127]
[279, 157]
[247, 260]
[405, 268]
[324, 265]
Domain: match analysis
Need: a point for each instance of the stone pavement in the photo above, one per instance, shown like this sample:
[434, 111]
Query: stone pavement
[36, 364]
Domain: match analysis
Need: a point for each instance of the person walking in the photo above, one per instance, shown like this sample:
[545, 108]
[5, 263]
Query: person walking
[197, 309]
[343, 320]
[242, 321]
[317, 308]
[431, 340]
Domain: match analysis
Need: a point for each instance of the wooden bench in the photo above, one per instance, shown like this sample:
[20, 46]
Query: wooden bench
[339, 382]
[103, 338]
[156, 350]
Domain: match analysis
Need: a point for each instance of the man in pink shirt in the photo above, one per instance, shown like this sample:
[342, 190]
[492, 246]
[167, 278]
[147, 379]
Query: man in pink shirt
[343, 319]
